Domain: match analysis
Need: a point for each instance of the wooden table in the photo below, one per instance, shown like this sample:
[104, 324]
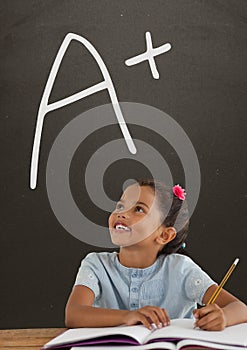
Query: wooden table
[27, 339]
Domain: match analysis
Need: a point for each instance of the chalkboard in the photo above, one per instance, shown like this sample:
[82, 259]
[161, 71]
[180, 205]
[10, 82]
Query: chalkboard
[194, 84]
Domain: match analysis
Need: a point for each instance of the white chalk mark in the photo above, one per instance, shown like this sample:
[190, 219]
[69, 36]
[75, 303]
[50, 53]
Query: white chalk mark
[45, 107]
[151, 60]
[149, 55]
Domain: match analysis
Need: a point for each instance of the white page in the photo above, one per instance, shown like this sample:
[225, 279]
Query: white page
[183, 329]
[138, 333]
[158, 345]
[200, 343]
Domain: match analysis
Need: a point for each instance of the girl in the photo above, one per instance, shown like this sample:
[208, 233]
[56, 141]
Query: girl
[148, 281]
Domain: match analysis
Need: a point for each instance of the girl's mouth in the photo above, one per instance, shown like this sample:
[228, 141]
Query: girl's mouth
[121, 227]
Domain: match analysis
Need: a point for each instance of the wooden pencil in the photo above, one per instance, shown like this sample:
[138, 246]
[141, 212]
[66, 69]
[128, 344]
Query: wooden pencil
[222, 283]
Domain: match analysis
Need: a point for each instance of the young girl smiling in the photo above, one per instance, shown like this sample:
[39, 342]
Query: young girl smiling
[148, 281]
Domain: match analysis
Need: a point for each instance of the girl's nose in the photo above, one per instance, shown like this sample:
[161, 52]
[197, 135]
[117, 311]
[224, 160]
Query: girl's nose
[123, 215]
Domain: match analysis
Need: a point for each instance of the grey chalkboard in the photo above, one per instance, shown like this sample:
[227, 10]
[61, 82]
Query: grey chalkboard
[201, 87]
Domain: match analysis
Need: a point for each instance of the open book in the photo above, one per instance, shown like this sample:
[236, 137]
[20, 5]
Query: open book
[179, 335]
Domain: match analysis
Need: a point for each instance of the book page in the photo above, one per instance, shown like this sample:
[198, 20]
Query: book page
[158, 345]
[183, 329]
[198, 344]
[138, 333]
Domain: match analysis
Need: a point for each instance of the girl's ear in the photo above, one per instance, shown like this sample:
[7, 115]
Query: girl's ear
[167, 234]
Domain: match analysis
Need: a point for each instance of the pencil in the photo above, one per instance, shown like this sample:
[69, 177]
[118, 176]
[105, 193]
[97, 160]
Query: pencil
[222, 283]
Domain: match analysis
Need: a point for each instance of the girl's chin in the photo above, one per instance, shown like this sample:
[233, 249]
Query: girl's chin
[124, 239]
[117, 239]
[121, 238]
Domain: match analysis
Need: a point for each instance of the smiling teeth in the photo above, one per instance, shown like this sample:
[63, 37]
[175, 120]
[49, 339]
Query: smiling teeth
[121, 227]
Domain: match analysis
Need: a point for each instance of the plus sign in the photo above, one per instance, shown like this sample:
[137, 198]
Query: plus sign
[149, 55]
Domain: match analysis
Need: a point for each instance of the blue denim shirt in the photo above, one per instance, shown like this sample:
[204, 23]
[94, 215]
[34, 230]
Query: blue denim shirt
[173, 282]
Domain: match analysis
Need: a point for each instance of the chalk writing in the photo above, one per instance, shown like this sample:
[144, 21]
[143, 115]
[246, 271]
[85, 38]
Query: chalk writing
[45, 107]
[149, 55]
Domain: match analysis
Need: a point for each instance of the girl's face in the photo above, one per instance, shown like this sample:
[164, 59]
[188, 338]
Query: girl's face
[136, 216]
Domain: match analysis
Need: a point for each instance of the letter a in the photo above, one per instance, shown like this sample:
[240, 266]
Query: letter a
[45, 107]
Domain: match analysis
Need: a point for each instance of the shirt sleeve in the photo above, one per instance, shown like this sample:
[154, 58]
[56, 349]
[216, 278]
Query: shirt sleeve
[197, 282]
[88, 274]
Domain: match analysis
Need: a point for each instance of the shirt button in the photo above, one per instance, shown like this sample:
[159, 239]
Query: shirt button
[134, 275]
[133, 305]
[134, 290]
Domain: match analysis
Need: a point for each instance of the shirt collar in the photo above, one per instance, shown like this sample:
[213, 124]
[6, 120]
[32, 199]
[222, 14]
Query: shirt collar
[139, 271]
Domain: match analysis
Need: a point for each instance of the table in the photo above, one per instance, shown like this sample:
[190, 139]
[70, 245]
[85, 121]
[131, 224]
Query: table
[27, 339]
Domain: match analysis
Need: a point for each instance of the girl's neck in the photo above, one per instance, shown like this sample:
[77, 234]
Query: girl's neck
[136, 258]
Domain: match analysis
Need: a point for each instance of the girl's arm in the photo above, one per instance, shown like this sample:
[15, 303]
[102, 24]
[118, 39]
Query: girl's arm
[226, 311]
[79, 312]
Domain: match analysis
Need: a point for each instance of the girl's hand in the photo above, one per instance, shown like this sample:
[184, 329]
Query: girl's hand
[147, 315]
[210, 318]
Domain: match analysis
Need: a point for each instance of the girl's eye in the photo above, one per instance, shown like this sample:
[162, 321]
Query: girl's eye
[119, 206]
[139, 209]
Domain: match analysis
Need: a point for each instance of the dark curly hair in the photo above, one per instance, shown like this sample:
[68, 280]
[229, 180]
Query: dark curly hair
[174, 213]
